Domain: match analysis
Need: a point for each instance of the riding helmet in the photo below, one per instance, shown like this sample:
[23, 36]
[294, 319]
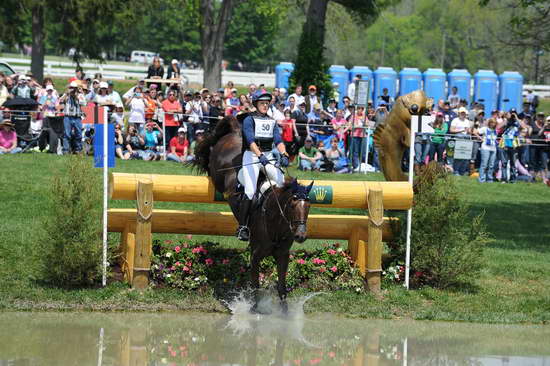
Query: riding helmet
[262, 97]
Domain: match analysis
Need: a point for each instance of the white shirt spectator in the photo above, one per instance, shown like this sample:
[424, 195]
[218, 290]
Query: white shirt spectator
[351, 92]
[137, 111]
[460, 125]
[299, 99]
[194, 108]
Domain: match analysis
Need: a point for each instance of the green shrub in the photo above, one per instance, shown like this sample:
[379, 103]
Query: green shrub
[70, 245]
[447, 243]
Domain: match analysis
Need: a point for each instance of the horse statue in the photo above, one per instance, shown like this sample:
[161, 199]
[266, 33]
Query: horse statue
[393, 136]
[277, 219]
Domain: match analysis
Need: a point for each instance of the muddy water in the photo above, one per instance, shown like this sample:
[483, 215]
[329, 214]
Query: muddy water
[202, 339]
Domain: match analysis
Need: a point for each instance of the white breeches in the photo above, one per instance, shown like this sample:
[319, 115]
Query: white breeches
[252, 171]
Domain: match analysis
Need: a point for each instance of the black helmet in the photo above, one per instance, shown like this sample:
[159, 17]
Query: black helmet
[262, 97]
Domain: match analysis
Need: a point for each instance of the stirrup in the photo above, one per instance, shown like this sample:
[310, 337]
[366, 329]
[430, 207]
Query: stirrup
[243, 233]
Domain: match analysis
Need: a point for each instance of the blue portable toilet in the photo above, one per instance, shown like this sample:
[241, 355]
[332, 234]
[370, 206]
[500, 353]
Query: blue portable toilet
[366, 74]
[410, 79]
[282, 74]
[510, 91]
[340, 75]
[434, 84]
[462, 80]
[384, 77]
[485, 89]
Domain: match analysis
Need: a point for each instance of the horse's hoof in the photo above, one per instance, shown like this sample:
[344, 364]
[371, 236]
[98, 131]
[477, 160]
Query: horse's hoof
[284, 308]
[255, 310]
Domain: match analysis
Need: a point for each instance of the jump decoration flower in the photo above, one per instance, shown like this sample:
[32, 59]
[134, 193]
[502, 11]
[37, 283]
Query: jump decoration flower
[202, 265]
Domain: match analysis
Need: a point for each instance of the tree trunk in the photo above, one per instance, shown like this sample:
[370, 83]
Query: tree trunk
[213, 29]
[316, 15]
[37, 55]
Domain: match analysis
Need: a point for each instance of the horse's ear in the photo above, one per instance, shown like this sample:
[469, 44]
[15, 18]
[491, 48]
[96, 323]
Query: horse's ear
[308, 189]
[294, 184]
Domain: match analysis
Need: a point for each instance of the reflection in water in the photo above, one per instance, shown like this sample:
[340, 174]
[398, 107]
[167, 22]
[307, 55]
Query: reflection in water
[243, 339]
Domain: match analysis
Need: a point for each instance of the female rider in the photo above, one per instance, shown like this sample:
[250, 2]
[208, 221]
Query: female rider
[260, 133]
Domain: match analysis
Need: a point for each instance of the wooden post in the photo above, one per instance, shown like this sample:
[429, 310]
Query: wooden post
[142, 255]
[358, 248]
[128, 268]
[374, 247]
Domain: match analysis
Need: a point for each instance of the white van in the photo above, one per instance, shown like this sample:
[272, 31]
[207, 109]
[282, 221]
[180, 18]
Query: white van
[143, 57]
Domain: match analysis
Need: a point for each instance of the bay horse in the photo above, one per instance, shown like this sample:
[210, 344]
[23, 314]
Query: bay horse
[274, 225]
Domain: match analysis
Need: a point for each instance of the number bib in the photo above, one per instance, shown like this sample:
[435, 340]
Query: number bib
[264, 128]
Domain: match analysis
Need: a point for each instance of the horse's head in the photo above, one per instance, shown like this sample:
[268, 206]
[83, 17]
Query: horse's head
[298, 210]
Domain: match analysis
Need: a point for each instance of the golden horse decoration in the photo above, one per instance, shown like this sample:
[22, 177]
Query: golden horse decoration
[393, 136]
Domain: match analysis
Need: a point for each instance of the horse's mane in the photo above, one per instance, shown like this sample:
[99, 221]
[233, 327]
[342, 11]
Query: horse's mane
[227, 125]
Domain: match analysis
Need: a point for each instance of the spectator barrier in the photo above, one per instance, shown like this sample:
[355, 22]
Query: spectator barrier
[137, 226]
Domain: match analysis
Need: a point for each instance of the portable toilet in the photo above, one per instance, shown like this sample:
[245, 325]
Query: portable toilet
[462, 80]
[340, 75]
[384, 77]
[282, 74]
[366, 74]
[485, 89]
[410, 79]
[434, 84]
[510, 91]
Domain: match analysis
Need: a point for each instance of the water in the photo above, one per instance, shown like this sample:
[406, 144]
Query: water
[140, 339]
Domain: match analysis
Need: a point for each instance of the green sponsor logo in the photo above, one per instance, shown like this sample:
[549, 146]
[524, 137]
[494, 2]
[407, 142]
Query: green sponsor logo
[321, 195]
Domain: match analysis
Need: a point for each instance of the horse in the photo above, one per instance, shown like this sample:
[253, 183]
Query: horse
[276, 223]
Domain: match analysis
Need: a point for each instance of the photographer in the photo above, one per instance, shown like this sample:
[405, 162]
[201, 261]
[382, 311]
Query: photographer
[73, 100]
[152, 136]
[195, 108]
[509, 143]
[134, 143]
[136, 103]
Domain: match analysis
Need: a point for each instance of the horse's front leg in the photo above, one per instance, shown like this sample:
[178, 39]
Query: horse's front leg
[282, 259]
[255, 279]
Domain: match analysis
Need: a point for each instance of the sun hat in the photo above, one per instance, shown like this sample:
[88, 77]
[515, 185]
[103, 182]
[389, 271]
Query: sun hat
[49, 87]
[73, 84]
[174, 61]
[308, 139]
[548, 118]
[312, 87]
[6, 122]
[182, 129]
[462, 110]
[103, 85]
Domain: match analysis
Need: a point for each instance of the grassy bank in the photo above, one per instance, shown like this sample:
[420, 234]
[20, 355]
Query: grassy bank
[511, 289]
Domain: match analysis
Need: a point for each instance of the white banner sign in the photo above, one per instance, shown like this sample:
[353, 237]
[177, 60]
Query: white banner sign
[463, 149]
[361, 92]
[425, 126]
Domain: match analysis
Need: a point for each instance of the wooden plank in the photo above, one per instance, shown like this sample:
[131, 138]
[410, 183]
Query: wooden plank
[374, 248]
[325, 193]
[142, 255]
[223, 223]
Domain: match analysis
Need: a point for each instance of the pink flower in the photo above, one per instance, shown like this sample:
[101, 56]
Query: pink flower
[300, 261]
[177, 264]
[189, 236]
[172, 268]
[189, 264]
[331, 354]
[185, 269]
[322, 269]
[334, 269]
[209, 261]
[199, 250]
[318, 261]
[173, 353]
[177, 249]
[225, 261]
[314, 361]
[331, 251]
[242, 270]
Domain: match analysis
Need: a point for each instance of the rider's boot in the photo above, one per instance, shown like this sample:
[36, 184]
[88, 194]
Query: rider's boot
[244, 209]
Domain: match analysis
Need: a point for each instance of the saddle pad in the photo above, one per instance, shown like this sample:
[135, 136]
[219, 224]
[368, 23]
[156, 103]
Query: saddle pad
[264, 184]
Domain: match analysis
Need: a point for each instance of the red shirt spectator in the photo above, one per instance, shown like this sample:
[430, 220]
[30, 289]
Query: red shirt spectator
[288, 129]
[170, 106]
[180, 145]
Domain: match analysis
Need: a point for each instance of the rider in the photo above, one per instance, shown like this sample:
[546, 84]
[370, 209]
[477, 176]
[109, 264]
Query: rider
[260, 133]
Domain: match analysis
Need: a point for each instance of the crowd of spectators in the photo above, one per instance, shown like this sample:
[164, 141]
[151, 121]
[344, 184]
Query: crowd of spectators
[156, 120]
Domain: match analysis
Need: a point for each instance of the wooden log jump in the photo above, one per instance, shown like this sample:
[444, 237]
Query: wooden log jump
[325, 193]
[363, 233]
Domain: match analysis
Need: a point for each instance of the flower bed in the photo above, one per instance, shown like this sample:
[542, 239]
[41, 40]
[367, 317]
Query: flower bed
[191, 265]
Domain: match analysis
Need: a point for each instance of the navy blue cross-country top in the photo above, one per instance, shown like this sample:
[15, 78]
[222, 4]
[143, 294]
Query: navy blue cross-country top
[250, 135]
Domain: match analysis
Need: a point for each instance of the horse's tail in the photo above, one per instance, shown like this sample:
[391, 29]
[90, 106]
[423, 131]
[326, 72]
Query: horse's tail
[227, 125]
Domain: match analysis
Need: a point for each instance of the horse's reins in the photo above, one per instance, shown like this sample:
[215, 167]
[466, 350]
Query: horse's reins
[277, 199]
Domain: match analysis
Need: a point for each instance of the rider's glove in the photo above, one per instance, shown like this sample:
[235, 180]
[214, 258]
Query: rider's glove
[284, 161]
[263, 160]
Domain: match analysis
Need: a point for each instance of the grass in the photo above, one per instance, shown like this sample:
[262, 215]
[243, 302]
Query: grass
[511, 289]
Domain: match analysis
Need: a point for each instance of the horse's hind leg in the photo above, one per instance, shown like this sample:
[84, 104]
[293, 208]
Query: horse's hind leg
[255, 279]
[282, 268]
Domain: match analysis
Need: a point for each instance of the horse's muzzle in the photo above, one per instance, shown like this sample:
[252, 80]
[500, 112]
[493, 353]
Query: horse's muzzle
[300, 235]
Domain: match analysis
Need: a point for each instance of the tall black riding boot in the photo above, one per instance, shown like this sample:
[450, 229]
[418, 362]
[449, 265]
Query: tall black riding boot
[244, 209]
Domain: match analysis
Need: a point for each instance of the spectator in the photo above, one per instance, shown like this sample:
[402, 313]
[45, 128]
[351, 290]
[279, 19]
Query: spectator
[298, 97]
[386, 98]
[73, 100]
[310, 157]
[526, 112]
[460, 126]
[336, 158]
[312, 99]
[119, 143]
[215, 112]
[358, 141]
[135, 143]
[8, 138]
[245, 104]
[252, 91]
[291, 105]
[232, 103]
[136, 103]
[279, 97]
[130, 91]
[48, 101]
[332, 107]
[335, 92]
[152, 136]
[454, 98]
[289, 134]
[179, 146]
[340, 125]
[314, 122]
[438, 138]
[174, 71]
[113, 94]
[23, 89]
[118, 115]
[533, 100]
[228, 90]
[4, 93]
[537, 150]
[546, 151]
[155, 70]
[380, 113]
[351, 87]
[151, 103]
[171, 108]
[488, 150]
[422, 146]
[79, 75]
[347, 108]
[301, 119]
[195, 108]
[509, 143]
[102, 98]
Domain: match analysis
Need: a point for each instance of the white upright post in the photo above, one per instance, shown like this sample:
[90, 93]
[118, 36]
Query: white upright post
[409, 211]
[367, 152]
[105, 194]
[100, 350]
[164, 140]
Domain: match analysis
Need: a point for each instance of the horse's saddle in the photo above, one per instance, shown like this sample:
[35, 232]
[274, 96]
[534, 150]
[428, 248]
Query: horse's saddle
[262, 189]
